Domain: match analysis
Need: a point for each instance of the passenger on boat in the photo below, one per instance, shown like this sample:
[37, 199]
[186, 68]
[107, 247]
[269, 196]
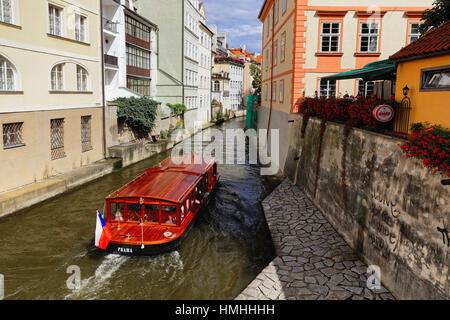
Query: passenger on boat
[119, 215]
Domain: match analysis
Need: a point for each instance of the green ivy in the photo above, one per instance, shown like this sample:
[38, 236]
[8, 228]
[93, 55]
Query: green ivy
[138, 113]
[177, 108]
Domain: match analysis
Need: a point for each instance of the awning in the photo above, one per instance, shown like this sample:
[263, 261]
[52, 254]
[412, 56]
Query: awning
[379, 70]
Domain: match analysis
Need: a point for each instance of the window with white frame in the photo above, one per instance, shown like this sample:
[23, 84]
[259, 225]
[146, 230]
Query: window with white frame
[436, 79]
[57, 78]
[367, 89]
[414, 32]
[368, 38]
[330, 36]
[82, 79]
[281, 91]
[283, 47]
[6, 11]
[274, 91]
[275, 11]
[327, 88]
[7, 76]
[55, 20]
[80, 28]
[275, 53]
[283, 6]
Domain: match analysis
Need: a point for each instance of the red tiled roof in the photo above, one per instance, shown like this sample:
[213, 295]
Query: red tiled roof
[435, 41]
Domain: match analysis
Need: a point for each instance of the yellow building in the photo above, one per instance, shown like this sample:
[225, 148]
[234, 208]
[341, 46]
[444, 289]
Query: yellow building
[423, 68]
[50, 88]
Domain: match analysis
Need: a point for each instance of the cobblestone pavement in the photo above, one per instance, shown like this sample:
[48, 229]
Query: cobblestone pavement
[313, 261]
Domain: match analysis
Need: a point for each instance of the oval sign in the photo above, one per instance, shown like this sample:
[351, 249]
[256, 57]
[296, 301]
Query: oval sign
[383, 113]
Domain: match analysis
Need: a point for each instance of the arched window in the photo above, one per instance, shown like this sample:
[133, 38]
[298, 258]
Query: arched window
[57, 78]
[82, 79]
[216, 86]
[7, 77]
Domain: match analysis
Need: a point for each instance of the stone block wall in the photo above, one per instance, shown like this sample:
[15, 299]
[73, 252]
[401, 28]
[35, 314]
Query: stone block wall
[398, 212]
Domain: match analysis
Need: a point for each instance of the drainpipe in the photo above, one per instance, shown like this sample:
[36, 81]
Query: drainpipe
[103, 78]
[271, 71]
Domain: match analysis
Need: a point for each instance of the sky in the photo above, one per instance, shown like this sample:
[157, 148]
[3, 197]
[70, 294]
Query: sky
[239, 19]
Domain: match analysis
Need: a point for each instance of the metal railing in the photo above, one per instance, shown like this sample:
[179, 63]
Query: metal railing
[402, 113]
[109, 25]
[111, 60]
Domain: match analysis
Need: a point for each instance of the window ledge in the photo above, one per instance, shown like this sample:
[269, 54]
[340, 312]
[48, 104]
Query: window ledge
[60, 157]
[329, 54]
[69, 92]
[14, 146]
[11, 92]
[68, 39]
[12, 25]
[367, 54]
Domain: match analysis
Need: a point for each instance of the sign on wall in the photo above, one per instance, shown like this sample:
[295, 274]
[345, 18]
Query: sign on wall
[383, 113]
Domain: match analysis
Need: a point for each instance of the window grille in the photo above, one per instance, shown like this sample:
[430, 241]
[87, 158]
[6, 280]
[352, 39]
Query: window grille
[86, 133]
[12, 135]
[57, 138]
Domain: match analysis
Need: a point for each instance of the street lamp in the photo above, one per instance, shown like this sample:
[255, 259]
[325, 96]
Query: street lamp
[405, 91]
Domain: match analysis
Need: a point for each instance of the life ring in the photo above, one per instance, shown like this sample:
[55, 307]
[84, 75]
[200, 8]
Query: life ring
[169, 235]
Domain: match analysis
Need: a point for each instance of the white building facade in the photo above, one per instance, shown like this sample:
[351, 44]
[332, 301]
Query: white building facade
[129, 46]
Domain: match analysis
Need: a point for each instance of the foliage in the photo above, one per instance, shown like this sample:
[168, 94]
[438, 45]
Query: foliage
[219, 114]
[342, 110]
[138, 113]
[255, 72]
[179, 124]
[215, 102]
[163, 134]
[436, 16]
[430, 144]
[177, 108]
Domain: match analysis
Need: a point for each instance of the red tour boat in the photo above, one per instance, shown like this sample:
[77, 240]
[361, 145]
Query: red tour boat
[153, 213]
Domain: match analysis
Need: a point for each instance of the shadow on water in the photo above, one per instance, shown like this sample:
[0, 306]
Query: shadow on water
[229, 245]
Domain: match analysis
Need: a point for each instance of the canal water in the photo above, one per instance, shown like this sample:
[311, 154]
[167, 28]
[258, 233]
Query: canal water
[228, 246]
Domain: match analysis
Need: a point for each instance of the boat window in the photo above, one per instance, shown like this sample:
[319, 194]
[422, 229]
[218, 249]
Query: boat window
[151, 213]
[169, 214]
[182, 212]
[117, 211]
[134, 211]
[198, 194]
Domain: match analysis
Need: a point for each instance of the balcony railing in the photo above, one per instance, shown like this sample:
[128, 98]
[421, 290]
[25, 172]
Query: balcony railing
[109, 25]
[111, 60]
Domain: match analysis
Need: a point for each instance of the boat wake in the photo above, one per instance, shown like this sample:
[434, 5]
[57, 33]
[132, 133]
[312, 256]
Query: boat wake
[89, 287]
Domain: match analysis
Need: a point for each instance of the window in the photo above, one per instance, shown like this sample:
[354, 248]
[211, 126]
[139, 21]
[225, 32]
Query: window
[55, 20]
[117, 212]
[139, 85]
[414, 32]
[12, 135]
[274, 91]
[57, 138]
[281, 91]
[7, 79]
[169, 215]
[283, 47]
[134, 211]
[57, 78]
[328, 88]
[6, 11]
[82, 79]
[329, 38]
[136, 29]
[275, 52]
[368, 38]
[151, 213]
[138, 58]
[283, 8]
[80, 28]
[275, 11]
[266, 90]
[86, 133]
[268, 25]
[367, 90]
[436, 79]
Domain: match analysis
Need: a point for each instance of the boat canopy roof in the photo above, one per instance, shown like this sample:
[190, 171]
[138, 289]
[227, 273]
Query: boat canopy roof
[170, 181]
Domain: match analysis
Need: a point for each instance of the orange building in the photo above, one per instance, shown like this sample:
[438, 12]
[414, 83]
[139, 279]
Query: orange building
[305, 40]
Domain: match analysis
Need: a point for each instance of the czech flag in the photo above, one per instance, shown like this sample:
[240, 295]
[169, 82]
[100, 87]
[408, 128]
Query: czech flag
[102, 233]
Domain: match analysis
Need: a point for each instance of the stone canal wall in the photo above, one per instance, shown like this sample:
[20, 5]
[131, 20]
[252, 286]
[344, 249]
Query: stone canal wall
[397, 212]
